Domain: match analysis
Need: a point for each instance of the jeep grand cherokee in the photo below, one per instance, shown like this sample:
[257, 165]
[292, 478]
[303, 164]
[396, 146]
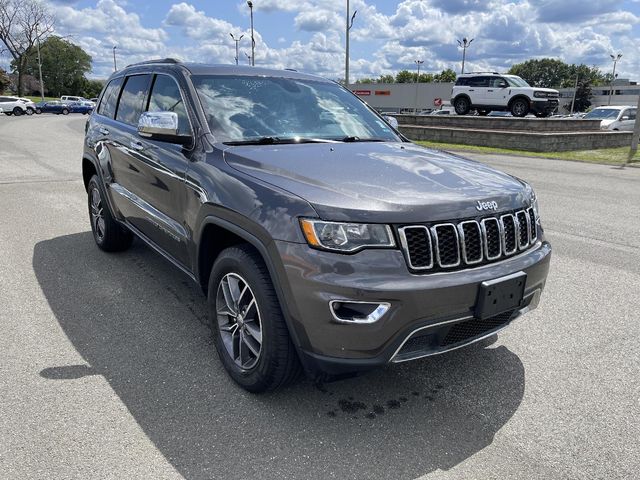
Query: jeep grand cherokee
[324, 240]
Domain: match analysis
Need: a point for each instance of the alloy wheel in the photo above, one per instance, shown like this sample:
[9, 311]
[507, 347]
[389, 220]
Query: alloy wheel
[239, 321]
[97, 214]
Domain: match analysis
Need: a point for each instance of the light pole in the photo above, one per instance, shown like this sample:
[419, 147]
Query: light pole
[253, 40]
[39, 64]
[615, 59]
[248, 57]
[237, 40]
[350, 19]
[418, 63]
[465, 43]
[575, 92]
[115, 64]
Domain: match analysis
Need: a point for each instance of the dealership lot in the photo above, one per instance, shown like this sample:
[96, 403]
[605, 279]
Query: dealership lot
[108, 369]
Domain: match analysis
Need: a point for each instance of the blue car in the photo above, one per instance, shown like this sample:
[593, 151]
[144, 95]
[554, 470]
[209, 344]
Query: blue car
[84, 108]
[53, 106]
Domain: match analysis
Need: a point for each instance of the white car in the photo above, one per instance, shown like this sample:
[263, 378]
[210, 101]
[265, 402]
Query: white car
[614, 117]
[12, 106]
[31, 106]
[487, 92]
[70, 98]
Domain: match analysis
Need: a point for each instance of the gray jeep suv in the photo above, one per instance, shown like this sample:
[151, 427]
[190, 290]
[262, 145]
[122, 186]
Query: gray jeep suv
[324, 240]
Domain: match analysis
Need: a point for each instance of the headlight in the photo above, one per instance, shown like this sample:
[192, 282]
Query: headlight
[346, 237]
[540, 94]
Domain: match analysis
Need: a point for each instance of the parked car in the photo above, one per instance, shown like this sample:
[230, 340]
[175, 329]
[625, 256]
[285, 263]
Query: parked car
[614, 117]
[31, 106]
[81, 107]
[443, 111]
[12, 106]
[325, 241]
[487, 92]
[70, 98]
[54, 106]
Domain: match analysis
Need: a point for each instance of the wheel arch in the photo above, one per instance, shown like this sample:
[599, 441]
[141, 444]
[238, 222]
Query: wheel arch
[213, 227]
[88, 170]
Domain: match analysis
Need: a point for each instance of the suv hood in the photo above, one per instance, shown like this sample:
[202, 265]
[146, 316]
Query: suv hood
[381, 182]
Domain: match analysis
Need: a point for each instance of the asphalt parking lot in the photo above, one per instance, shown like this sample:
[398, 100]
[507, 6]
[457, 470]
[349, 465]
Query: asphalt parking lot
[108, 370]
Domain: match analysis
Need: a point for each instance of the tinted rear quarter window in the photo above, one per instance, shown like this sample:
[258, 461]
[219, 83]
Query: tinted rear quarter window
[462, 82]
[480, 81]
[109, 99]
[132, 99]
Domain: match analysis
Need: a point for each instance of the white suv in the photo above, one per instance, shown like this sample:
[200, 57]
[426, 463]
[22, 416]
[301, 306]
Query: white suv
[485, 92]
[12, 106]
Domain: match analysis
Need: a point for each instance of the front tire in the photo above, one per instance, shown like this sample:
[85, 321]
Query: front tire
[65, 111]
[30, 111]
[462, 105]
[17, 111]
[249, 330]
[108, 234]
[520, 107]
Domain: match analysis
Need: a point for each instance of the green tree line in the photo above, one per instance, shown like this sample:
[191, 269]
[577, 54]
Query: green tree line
[406, 76]
[64, 66]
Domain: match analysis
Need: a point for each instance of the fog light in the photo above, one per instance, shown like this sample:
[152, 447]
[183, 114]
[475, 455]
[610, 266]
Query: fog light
[345, 311]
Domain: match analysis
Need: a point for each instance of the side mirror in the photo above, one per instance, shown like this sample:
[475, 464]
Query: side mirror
[503, 85]
[393, 121]
[161, 126]
[625, 117]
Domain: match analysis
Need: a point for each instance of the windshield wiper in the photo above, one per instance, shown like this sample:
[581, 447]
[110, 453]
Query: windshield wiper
[277, 141]
[352, 139]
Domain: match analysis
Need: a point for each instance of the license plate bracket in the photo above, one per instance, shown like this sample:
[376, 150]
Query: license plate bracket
[500, 295]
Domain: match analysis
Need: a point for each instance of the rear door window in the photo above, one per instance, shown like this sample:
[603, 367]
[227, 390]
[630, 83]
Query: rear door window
[479, 82]
[132, 99]
[109, 99]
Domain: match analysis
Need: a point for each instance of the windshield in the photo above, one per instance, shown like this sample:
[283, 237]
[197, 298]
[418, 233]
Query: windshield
[602, 113]
[516, 82]
[244, 109]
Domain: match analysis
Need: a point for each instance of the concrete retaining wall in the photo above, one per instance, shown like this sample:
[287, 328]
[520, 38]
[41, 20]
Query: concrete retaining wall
[520, 140]
[500, 123]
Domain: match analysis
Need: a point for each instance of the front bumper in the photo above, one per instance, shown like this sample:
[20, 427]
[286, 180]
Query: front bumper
[428, 304]
[544, 106]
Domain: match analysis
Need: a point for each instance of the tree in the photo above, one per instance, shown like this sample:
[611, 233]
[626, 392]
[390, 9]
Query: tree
[405, 76]
[64, 66]
[22, 24]
[4, 81]
[554, 73]
[446, 76]
[583, 97]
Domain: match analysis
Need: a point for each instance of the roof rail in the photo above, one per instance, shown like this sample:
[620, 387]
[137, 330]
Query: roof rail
[172, 61]
[474, 73]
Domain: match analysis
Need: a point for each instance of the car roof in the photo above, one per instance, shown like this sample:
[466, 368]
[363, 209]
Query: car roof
[219, 69]
[618, 107]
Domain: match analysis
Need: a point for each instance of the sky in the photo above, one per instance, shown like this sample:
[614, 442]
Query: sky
[387, 36]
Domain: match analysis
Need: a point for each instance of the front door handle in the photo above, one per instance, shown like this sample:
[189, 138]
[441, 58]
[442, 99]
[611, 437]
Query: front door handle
[103, 131]
[471, 90]
[489, 90]
[136, 145]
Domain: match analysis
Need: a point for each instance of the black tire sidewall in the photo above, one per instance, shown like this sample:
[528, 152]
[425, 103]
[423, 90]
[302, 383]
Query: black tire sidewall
[466, 108]
[237, 260]
[513, 107]
[116, 237]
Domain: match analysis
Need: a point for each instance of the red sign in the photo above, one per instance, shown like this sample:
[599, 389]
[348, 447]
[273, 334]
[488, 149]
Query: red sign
[383, 92]
[362, 93]
[437, 102]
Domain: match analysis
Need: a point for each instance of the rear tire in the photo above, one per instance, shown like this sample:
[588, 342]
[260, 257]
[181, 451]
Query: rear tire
[38, 111]
[520, 107]
[30, 111]
[65, 111]
[253, 343]
[108, 234]
[462, 105]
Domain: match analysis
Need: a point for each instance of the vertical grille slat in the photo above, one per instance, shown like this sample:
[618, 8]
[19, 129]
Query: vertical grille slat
[417, 244]
[510, 236]
[471, 242]
[447, 246]
[444, 246]
[523, 226]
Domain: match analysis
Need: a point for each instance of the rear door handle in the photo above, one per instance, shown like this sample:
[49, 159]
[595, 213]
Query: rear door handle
[103, 131]
[489, 90]
[137, 145]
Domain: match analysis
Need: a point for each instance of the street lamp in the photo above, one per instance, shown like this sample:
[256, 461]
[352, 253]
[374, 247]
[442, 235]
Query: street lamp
[115, 65]
[253, 40]
[237, 40]
[418, 63]
[350, 19]
[464, 44]
[248, 57]
[615, 59]
[39, 64]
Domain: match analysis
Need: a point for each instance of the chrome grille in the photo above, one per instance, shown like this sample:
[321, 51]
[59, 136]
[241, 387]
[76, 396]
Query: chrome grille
[448, 246]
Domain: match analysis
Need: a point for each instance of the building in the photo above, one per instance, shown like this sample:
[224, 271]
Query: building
[404, 97]
[624, 92]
